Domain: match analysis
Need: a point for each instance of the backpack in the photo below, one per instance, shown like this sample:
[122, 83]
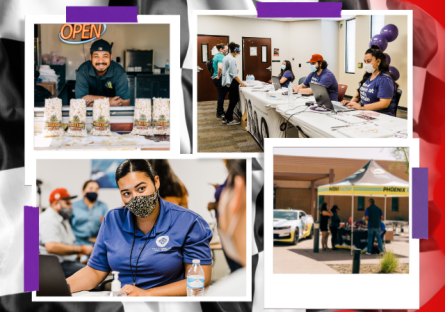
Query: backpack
[209, 65]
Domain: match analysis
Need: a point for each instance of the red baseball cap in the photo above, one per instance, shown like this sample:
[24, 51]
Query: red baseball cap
[60, 193]
[316, 58]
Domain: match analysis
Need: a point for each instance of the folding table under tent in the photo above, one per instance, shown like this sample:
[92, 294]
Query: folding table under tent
[370, 180]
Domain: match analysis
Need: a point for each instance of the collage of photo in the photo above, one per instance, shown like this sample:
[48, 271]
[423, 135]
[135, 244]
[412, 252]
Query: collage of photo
[242, 156]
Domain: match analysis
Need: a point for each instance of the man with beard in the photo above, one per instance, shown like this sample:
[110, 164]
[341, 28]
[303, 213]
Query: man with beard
[101, 77]
[55, 234]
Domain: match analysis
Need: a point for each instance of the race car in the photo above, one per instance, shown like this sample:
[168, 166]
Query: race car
[291, 225]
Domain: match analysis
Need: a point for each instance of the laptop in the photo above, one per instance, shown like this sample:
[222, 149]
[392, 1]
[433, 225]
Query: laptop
[323, 100]
[52, 281]
[276, 82]
[277, 85]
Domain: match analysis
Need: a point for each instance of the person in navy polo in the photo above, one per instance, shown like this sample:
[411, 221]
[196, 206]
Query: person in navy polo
[378, 89]
[101, 77]
[149, 241]
[320, 74]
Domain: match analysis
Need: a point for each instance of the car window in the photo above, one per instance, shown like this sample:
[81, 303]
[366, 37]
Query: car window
[288, 215]
[302, 215]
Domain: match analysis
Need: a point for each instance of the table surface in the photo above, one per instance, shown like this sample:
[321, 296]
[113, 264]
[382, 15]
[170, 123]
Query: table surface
[319, 124]
[115, 141]
[92, 294]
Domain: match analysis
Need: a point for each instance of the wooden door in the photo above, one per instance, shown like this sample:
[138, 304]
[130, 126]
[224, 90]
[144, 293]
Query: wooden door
[206, 88]
[257, 58]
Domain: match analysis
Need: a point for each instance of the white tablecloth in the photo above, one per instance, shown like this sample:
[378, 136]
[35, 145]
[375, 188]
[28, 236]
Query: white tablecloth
[262, 120]
[315, 124]
[115, 141]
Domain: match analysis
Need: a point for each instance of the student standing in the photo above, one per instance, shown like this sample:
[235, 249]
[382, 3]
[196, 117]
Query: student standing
[223, 50]
[334, 225]
[374, 215]
[324, 219]
[231, 80]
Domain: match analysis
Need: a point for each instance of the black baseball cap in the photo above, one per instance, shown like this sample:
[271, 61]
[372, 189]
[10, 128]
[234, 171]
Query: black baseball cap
[100, 45]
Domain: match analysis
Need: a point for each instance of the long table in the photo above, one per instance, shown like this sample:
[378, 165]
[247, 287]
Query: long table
[311, 121]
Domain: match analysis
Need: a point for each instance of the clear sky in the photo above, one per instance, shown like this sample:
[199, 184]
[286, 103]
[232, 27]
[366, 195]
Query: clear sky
[376, 153]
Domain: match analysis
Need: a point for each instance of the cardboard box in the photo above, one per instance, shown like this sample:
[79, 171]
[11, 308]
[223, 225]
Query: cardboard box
[244, 121]
[50, 86]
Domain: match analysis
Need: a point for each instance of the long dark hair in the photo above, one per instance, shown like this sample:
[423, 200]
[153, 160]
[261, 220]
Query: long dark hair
[324, 207]
[383, 66]
[288, 67]
[170, 185]
[135, 165]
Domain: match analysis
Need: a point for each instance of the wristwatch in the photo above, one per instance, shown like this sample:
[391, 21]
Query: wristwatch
[363, 106]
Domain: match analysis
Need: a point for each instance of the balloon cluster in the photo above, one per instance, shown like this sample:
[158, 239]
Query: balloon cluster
[389, 33]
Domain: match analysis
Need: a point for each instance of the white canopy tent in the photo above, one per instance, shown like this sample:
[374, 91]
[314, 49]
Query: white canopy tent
[370, 180]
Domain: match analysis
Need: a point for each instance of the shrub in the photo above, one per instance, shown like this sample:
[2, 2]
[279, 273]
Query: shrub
[389, 263]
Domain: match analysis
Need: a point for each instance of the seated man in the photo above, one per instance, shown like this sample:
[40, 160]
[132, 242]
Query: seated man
[55, 234]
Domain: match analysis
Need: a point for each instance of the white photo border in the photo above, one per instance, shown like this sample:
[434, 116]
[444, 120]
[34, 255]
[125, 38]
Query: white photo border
[249, 238]
[281, 289]
[176, 99]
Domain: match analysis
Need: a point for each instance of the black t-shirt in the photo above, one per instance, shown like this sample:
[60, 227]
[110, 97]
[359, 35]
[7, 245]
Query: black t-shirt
[374, 213]
[323, 219]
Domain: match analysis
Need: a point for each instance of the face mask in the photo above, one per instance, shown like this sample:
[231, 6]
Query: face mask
[283, 67]
[313, 68]
[226, 52]
[66, 213]
[369, 68]
[142, 206]
[226, 238]
[91, 196]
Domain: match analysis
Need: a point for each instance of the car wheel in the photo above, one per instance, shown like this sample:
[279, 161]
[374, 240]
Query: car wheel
[296, 237]
[312, 232]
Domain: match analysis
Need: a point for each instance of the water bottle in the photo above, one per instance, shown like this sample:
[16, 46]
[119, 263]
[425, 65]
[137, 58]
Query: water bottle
[253, 78]
[248, 78]
[167, 67]
[290, 92]
[195, 280]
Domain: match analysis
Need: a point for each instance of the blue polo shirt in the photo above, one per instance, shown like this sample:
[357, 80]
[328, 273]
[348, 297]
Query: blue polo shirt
[327, 79]
[113, 83]
[86, 222]
[179, 236]
[374, 213]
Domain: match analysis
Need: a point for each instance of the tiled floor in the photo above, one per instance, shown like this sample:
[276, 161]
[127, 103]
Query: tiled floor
[214, 136]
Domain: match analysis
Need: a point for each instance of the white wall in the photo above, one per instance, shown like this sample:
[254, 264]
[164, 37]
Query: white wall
[329, 48]
[304, 39]
[236, 28]
[124, 37]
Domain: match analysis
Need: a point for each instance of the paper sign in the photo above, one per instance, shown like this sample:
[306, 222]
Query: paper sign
[253, 51]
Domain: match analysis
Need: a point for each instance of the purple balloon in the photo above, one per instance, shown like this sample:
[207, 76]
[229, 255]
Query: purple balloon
[379, 40]
[390, 32]
[395, 72]
[388, 58]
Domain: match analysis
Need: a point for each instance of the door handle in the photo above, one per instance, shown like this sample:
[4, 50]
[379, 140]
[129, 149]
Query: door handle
[269, 68]
[199, 69]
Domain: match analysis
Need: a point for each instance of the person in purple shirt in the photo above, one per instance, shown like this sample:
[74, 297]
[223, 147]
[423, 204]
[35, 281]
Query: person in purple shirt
[321, 75]
[378, 89]
[287, 75]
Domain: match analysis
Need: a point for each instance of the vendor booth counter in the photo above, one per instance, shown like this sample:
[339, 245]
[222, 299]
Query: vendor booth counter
[121, 124]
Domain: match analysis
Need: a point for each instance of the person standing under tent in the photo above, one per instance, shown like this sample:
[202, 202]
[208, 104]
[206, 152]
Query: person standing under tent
[373, 215]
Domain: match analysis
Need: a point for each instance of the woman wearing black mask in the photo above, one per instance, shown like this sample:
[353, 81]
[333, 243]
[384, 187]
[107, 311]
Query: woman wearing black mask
[150, 242]
[88, 214]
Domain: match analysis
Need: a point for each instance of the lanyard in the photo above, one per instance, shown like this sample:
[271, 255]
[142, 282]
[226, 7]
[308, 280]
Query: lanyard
[134, 236]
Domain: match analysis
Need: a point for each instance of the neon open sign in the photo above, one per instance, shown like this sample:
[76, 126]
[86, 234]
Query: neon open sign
[69, 32]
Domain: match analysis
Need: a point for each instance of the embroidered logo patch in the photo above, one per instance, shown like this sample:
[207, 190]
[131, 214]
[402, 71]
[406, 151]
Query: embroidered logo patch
[162, 241]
